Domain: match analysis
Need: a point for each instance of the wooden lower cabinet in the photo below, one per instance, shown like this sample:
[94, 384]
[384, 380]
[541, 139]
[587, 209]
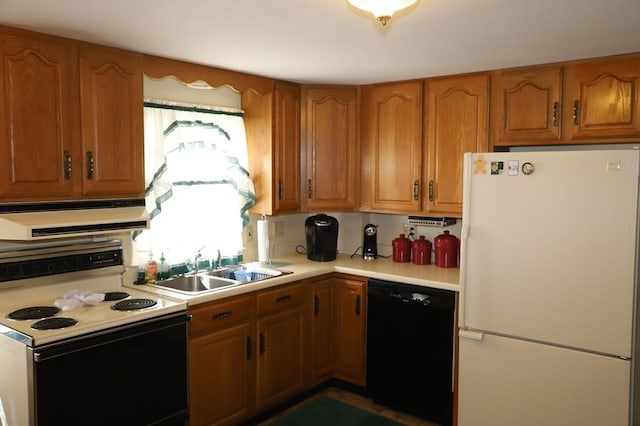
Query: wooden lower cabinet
[222, 362]
[322, 329]
[338, 329]
[249, 353]
[281, 344]
[350, 325]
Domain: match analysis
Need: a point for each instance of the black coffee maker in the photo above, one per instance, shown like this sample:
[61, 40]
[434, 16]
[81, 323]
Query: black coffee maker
[322, 237]
[370, 241]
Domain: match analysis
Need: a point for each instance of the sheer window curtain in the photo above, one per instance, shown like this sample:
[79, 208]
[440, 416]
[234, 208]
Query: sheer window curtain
[198, 188]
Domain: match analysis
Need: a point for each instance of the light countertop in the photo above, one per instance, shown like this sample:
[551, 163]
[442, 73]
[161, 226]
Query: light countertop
[302, 268]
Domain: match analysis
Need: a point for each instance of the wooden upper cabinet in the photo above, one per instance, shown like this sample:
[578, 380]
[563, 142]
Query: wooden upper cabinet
[38, 137]
[392, 147]
[589, 101]
[71, 126]
[526, 105]
[331, 148]
[456, 122]
[603, 99]
[112, 122]
[287, 147]
[272, 122]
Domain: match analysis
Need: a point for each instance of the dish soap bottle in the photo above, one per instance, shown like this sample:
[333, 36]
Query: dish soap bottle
[152, 269]
[163, 268]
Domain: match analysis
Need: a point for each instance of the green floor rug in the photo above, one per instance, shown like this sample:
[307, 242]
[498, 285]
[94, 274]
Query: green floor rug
[328, 411]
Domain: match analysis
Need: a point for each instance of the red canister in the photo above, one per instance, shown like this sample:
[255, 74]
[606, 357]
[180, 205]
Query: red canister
[446, 250]
[421, 251]
[401, 249]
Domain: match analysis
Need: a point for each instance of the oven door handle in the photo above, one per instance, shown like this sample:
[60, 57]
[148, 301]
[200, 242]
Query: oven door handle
[105, 337]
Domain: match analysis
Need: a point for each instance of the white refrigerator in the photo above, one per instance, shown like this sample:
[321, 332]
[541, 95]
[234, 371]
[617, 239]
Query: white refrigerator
[548, 289]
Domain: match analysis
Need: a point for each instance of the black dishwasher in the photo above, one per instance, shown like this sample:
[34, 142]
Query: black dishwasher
[410, 343]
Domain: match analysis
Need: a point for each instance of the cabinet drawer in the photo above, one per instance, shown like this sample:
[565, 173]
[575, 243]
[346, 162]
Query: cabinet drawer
[218, 315]
[281, 298]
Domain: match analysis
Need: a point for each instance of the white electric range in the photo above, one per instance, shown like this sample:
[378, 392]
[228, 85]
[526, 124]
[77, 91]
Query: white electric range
[104, 329]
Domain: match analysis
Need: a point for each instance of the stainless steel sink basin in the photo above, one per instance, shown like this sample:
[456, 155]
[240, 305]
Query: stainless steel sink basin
[218, 279]
[246, 273]
[195, 283]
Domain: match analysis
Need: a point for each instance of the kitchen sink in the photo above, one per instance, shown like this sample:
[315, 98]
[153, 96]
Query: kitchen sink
[218, 279]
[195, 283]
[246, 273]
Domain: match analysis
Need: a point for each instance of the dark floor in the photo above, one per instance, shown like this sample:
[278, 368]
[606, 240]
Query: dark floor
[358, 401]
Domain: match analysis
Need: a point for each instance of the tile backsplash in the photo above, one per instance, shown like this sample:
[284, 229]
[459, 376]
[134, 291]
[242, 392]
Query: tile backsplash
[291, 234]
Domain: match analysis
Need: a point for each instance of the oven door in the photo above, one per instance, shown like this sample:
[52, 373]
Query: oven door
[129, 375]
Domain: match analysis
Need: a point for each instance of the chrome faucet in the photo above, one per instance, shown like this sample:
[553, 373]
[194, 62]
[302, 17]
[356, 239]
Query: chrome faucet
[196, 262]
[219, 260]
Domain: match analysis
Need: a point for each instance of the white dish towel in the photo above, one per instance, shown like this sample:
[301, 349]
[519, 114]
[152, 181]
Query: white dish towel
[76, 298]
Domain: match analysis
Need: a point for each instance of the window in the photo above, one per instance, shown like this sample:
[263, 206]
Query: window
[198, 189]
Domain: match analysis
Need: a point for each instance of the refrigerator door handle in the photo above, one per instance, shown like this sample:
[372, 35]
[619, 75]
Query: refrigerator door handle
[465, 232]
[469, 334]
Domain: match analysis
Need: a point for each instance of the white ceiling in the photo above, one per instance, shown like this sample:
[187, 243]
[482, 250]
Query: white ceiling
[328, 41]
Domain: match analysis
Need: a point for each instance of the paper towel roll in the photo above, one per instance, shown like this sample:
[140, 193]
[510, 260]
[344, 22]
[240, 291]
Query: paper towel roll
[263, 240]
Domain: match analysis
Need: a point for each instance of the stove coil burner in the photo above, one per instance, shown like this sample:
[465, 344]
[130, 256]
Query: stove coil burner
[33, 312]
[115, 295]
[54, 323]
[133, 304]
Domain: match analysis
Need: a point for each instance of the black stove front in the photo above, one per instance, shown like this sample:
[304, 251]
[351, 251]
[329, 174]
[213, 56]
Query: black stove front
[128, 375]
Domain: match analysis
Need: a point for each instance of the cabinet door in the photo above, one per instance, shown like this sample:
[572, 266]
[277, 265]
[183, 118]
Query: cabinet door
[322, 335]
[331, 148]
[603, 99]
[392, 144]
[350, 328]
[526, 106]
[222, 362]
[221, 376]
[457, 121]
[280, 366]
[37, 118]
[287, 148]
[112, 122]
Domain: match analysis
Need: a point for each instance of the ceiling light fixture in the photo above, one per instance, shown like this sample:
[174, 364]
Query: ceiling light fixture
[383, 10]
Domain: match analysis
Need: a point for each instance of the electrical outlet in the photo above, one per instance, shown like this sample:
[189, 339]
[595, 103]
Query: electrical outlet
[279, 229]
[406, 228]
[249, 234]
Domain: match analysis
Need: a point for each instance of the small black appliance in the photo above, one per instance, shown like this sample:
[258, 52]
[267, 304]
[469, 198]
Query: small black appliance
[370, 241]
[322, 237]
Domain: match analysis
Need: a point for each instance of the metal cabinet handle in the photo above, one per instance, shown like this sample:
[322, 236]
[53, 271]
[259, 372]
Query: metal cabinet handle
[222, 315]
[309, 189]
[357, 305]
[263, 345]
[316, 304]
[284, 298]
[249, 348]
[67, 165]
[576, 113]
[90, 165]
[556, 106]
[430, 190]
[416, 189]
[280, 189]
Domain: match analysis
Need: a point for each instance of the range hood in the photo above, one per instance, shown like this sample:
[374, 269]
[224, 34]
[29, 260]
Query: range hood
[42, 221]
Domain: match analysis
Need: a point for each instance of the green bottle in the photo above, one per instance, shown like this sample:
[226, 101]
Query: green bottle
[163, 268]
